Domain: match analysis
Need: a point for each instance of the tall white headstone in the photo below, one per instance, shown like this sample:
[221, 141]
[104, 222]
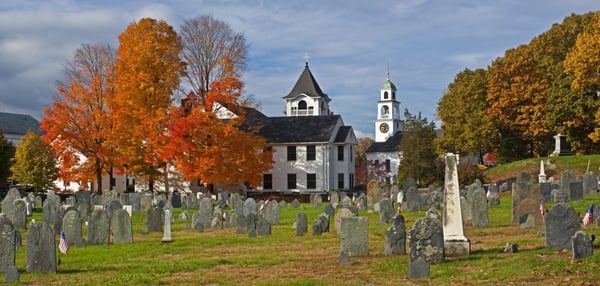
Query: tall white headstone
[455, 242]
[167, 227]
[542, 175]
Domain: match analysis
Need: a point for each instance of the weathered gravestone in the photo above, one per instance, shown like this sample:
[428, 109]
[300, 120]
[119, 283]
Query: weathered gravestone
[176, 199]
[120, 223]
[83, 203]
[112, 206]
[19, 214]
[590, 184]
[240, 222]
[374, 196]
[581, 244]
[272, 212]
[354, 236]
[419, 267]
[412, 196]
[184, 216]
[12, 274]
[386, 211]
[426, 240]
[49, 212]
[134, 201]
[321, 224]
[237, 205]
[478, 201]
[71, 225]
[145, 202]
[329, 210]
[7, 243]
[546, 191]
[316, 200]
[8, 201]
[342, 213]
[565, 182]
[154, 219]
[41, 248]
[301, 224]
[395, 237]
[250, 207]
[576, 191]
[521, 191]
[334, 198]
[263, 227]
[295, 203]
[455, 241]
[465, 208]
[197, 222]
[361, 202]
[206, 212]
[99, 228]
[562, 222]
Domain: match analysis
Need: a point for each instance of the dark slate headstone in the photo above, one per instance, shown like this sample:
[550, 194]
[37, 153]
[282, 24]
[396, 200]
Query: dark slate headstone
[176, 199]
[12, 274]
[419, 267]
[83, 203]
[562, 222]
[19, 214]
[263, 227]
[134, 201]
[120, 223]
[565, 182]
[343, 258]
[395, 237]
[251, 221]
[329, 210]
[99, 228]
[386, 211]
[154, 219]
[426, 240]
[301, 224]
[7, 243]
[321, 224]
[41, 248]
[546, 191]
[478, 205]
[576, 191]
[582, 245]
[354, 236]
[72, 228]
[413, 199]
[590, 184]
[521, 191]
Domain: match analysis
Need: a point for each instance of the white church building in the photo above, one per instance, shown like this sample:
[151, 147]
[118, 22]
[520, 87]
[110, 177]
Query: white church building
[383, 157]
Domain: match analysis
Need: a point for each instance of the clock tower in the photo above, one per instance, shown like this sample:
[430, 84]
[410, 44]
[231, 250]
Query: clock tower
[388, 112]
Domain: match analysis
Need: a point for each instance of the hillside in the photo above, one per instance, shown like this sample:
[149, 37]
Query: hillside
[554, 167]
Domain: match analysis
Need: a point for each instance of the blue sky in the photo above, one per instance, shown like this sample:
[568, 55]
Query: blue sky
[351, 43]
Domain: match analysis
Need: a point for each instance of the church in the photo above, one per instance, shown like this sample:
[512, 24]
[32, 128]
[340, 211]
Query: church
[314, 149]
[383, 157]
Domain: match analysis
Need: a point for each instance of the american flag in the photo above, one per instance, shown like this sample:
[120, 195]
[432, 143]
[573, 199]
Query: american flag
[63, 245]
[542, 207]
[589, 216]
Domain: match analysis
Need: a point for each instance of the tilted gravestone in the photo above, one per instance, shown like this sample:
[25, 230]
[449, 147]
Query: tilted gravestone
[154, 219]
[7, 243]
[395, 237]
[120, 224]
[355, 236]
[321, 224]
[99, 228]
[478, 206]
[426, 240]
[41, 248]
[301, 224]
[562, 222]
[72, 228]
[581, 244]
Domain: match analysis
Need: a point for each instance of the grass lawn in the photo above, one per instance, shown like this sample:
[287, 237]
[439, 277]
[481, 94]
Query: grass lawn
[222, 257]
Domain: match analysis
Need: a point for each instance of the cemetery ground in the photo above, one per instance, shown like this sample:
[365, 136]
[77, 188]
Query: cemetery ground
[222, 257]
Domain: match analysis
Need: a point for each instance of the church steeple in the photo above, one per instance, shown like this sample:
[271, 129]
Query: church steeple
[306, 97]
[388, 112]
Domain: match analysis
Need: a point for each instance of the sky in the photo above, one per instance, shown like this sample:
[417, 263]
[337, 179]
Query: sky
[352, 45]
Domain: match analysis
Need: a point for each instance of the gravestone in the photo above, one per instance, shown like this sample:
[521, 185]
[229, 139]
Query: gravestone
[176, 199]
[316, 200]
[562, 222]
[373, 196]
[346, 201]
[546, 191]
[41, 248]
[455, 242]
[217, 221]
[240, 220]
[250, 207]
[413, 199]
[145, 202]
[19, 214]
[334, 198]
[135, 201]
[301, 224]
[192, 202]
[565, 182]
[321, 224]
[184, 216]
[558, 196]
[237, 205]
[478, 206]
[590, 184]
[206, 212]
[154, 219]
[272, 212]
[426, 240]
[418, 268]
[576, 191]
[361, 202]
[112, 206]
[529, 208]
[83, 203]
[12, 274]
[581, 244]
[386, 211]
[49, 212]
[295, 203]
[99, 228]
[197, 222]
[329, 210]
[167, 227]
[8, 245]
[465, 208]
[395, 237]
[8, 201]
[354, 236]
[120, 224]
[263, 227]
[251, 221]
[342, 213]
[521, 191]
[38, 201]
[71, 225]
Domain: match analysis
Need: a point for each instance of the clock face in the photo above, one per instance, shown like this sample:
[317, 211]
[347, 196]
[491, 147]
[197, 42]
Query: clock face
[384, 127]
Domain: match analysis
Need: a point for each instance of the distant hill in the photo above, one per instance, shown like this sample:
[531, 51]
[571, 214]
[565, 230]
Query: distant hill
[554, 167]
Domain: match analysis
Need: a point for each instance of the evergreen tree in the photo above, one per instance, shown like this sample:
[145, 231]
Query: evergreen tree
[418, 156]
[7, 152]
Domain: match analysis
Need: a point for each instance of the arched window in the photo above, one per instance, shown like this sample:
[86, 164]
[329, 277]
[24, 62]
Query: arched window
[385, 95]
[385, 110]
[302, 105]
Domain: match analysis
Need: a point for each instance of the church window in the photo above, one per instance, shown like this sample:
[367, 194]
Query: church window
[291, 153]
[393, 95]
[385, 95]
[267, 181]
[340, 153]
[385, 110]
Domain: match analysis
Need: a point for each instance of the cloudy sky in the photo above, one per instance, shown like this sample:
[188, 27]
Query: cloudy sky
[351, 44]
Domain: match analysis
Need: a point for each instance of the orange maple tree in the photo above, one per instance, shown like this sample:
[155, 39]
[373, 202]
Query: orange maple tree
[148, 71]
[77, 125]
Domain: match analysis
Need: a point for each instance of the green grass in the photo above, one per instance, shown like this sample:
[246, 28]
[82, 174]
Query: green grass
[222, 257]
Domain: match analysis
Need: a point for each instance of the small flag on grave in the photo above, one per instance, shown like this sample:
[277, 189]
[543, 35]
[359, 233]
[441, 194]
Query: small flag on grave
[63, 244]
[589, 216]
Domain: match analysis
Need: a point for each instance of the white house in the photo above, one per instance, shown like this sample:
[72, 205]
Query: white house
[383, 157]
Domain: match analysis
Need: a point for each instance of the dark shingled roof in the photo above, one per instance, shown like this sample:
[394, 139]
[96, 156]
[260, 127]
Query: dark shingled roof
[390, 145]
[342, 134]
[308, 85]
[298, 129]
[12, 123]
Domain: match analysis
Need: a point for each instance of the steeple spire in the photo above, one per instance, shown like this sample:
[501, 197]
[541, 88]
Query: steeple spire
[306, 57]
